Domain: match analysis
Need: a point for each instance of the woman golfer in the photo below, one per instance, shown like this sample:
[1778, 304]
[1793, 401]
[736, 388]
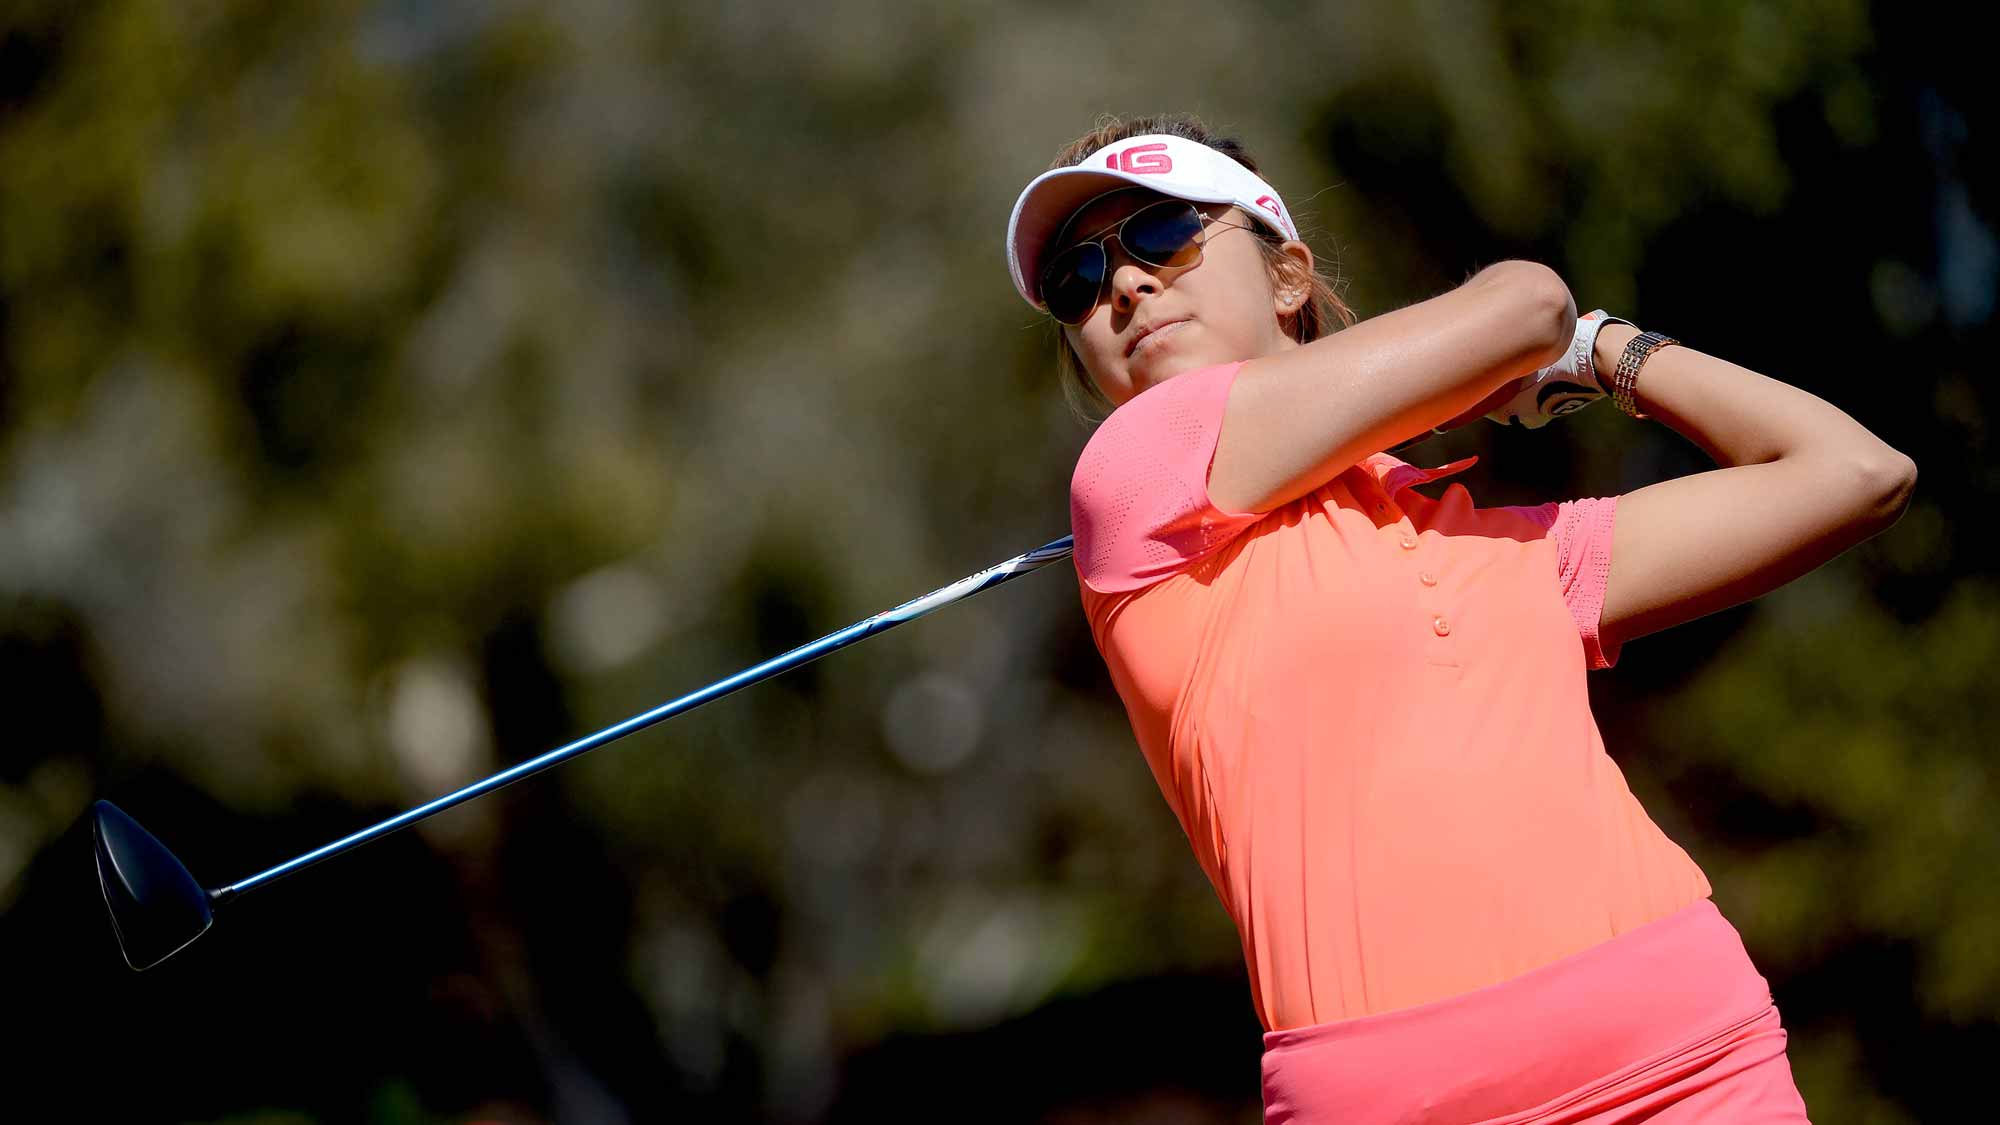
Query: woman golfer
[1367, 706]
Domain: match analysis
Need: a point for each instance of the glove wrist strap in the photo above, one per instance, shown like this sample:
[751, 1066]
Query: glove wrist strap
[1583, 346]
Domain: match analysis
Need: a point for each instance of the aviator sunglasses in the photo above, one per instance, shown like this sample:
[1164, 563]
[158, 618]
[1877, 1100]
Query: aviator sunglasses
[1167, 234]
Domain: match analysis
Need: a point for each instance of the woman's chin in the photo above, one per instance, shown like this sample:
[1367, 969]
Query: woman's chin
[1154, 372]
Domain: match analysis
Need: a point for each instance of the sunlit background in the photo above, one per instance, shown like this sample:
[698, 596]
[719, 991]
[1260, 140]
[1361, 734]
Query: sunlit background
[390, 392]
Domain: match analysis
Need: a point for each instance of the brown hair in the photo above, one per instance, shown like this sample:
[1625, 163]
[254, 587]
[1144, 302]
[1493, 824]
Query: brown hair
[1313, 319]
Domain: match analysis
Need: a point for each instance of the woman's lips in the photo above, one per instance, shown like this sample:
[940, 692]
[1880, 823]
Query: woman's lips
[1151, 339]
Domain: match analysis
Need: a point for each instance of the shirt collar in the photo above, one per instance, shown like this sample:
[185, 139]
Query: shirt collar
[1393, 476]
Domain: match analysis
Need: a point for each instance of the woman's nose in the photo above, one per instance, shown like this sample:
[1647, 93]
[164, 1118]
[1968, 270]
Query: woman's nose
[1131, 280]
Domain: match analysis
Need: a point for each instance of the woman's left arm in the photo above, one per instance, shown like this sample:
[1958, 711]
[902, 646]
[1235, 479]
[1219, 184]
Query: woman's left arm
[1800, 483]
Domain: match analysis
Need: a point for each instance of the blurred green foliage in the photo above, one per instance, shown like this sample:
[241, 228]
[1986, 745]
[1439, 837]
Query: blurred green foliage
[393, 391]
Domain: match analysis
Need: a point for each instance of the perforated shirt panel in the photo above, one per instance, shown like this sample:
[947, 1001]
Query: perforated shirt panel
[1582, 533]
[1139, 505]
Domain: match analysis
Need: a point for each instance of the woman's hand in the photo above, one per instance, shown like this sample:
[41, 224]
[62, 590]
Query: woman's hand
[1564, 387]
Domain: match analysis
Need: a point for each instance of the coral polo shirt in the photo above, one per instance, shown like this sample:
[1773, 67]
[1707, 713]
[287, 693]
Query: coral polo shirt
[1367, 709]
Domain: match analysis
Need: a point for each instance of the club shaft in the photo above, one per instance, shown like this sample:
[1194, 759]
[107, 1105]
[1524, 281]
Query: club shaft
[881, 622]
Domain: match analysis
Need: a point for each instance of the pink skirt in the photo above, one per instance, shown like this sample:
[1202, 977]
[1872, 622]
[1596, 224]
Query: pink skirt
[1666, 1023]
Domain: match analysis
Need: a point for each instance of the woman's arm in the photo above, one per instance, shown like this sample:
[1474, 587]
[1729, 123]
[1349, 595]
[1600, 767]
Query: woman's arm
[1297, 418]
[1800, 483]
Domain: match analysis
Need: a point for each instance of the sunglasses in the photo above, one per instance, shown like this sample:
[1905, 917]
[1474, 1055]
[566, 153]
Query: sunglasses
[1167, 234]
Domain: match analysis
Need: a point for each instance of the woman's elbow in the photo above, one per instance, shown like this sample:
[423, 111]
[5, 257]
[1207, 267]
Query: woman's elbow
[1889, 479]
[1553, 310]
[1542, 307]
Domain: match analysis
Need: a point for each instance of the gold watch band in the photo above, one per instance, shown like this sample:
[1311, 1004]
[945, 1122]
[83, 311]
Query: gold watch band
[1626, 377]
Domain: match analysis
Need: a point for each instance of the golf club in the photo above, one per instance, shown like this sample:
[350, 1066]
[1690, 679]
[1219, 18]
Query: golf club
[158, 908]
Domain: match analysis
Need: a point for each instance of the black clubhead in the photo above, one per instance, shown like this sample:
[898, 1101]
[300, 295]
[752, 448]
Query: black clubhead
[156, 906]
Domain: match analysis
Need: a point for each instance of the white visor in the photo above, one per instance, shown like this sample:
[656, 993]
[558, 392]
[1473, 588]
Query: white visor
[1170, 165]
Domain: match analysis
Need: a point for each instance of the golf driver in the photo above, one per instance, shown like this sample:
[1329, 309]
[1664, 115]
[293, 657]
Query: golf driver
[158, 908]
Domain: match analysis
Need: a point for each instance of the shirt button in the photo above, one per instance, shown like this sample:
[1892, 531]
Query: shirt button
[1409, 542]
[1427, 578]
[1442, 626]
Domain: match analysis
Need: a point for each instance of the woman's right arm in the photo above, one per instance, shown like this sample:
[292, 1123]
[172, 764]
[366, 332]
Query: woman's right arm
[1297, 418]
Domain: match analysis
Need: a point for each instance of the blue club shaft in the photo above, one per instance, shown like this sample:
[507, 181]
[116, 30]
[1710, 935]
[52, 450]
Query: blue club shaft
[881, 622]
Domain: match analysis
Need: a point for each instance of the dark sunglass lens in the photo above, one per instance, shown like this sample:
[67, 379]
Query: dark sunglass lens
[1163, 234]
[1071, 283]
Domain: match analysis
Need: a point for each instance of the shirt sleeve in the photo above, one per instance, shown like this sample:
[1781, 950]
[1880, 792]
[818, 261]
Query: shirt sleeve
[1581, 530]
[1138, 504]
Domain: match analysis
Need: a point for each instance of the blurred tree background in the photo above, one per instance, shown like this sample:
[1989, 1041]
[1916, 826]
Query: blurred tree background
[392, 391]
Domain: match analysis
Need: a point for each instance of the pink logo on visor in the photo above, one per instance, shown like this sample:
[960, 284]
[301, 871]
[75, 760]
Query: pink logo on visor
[1141, 159]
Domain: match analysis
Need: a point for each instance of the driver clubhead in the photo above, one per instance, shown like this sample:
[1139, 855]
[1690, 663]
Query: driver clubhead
[157, 908]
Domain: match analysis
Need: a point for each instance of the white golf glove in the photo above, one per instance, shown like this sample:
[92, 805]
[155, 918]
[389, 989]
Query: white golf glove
[1563, 387]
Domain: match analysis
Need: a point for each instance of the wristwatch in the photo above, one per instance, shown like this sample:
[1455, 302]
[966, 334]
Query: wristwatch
[1627, 375]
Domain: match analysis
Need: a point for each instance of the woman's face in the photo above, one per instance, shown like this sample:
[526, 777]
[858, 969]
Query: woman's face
[1221, 309]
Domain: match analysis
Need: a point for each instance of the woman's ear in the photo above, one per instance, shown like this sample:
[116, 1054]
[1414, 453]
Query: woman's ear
[1292, 278]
